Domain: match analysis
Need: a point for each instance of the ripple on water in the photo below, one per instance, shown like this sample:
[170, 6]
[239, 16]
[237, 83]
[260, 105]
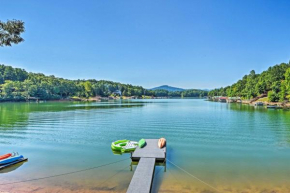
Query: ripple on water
[235, 148]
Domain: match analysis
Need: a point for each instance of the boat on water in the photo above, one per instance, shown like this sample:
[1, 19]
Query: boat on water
[5, 156]
[10, 159]
[273, 107]
[259, 104]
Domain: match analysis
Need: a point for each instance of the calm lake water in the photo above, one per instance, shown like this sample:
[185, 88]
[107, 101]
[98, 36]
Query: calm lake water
[232, 147]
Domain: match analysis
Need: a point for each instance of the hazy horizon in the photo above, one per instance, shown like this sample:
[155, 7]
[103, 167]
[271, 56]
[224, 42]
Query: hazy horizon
[188, 44]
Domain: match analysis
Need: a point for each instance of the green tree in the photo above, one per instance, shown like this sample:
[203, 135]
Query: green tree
[272, 96]
[270, 81]
[8, 89]
[1, 79]
[10, 32]
[9, 73]
[283, 92]
[32, 91]
[287, 83]
[250, 91]
[20, 74]
[88, 89]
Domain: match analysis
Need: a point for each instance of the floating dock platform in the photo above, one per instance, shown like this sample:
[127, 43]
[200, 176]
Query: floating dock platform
[147, 156]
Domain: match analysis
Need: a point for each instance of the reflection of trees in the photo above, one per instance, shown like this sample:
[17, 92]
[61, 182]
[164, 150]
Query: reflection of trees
[277, 120]
[13, 114]
[285, 128]
[17, 114]
[244, 107]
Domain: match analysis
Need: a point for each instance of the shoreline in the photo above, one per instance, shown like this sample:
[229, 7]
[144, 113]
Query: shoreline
[169, 184]
[94, 99]
[283, 105]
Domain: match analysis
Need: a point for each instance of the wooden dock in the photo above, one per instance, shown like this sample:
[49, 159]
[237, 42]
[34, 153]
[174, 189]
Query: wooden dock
[147, 156]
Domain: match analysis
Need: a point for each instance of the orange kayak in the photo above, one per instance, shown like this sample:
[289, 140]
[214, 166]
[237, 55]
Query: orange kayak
[161, 142]
[5, 156]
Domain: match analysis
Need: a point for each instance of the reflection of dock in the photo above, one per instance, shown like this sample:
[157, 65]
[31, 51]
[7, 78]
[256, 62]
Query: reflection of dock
[147, 156]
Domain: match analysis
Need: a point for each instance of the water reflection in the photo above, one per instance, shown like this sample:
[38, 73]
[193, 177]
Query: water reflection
[275, 120]
[236, 148]
[12, 167]
[14, 115]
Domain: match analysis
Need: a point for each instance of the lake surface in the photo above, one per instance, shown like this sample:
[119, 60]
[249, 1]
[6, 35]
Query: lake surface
[231, 147]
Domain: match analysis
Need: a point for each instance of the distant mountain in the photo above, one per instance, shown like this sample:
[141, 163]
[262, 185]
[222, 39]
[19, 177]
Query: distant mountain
[171, 88]
[168, 88]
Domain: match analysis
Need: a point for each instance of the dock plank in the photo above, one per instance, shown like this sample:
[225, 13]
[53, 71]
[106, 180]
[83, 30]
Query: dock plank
[143, 176]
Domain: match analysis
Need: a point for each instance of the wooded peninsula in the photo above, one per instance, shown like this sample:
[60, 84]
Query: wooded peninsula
[273, 83]
[19, 85]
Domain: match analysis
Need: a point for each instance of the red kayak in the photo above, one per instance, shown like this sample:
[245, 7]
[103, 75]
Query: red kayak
[5, 156]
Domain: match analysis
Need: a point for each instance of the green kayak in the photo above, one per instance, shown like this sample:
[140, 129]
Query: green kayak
[142, 143]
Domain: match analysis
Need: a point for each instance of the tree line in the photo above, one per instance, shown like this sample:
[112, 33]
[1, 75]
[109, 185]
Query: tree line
[19, 85]
[275, 82]
[185, 93]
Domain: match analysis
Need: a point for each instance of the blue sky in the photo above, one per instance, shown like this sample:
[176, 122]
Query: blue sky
[188, 44]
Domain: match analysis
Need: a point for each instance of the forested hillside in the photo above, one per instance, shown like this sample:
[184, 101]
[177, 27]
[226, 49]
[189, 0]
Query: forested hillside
[18, 85]
[275, 82]
[185, 93]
